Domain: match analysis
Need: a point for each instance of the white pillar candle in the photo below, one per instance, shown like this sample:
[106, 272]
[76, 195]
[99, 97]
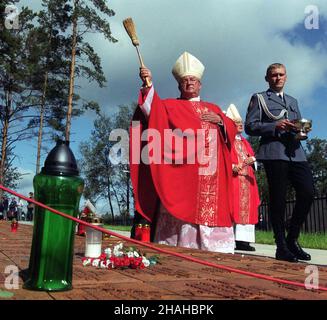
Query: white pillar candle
[92, 250]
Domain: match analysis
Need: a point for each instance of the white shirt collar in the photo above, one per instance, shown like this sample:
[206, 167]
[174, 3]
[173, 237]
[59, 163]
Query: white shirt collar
[238, 136]
[195, 99]
[279, 93]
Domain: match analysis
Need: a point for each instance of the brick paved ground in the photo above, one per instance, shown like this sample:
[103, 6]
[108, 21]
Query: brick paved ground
[174, 278]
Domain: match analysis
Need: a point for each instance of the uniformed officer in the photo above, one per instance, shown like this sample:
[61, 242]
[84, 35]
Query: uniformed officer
[270, 116]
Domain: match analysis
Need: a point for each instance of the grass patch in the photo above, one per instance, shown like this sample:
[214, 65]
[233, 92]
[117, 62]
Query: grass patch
[307, 240]
[118, 228]
[264, 237]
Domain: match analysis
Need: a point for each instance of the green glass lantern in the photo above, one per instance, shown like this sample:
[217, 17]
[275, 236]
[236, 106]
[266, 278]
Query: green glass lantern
[60, 187]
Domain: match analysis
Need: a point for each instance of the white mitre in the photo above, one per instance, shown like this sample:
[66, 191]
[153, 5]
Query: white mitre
[89, 204]
[187, 65]
[233, 113]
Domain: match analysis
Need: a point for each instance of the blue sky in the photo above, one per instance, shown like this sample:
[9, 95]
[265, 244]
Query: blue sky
[236, 40]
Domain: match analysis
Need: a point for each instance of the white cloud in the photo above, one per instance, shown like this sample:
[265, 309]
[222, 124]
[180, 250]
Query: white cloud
[236, 40]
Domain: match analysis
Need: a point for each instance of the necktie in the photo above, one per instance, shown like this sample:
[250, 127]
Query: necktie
[280, 96]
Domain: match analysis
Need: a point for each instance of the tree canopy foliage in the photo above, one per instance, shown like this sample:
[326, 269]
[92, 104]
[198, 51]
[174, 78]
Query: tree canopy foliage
[37, 90]
[105, 180]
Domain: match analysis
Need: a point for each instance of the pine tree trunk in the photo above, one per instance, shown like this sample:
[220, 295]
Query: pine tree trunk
[4, 138]
[116, 196]
[72, 73]
[109, 200]
[39, 141]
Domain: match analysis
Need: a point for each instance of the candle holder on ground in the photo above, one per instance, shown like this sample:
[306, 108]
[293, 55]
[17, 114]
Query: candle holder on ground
[93, 241]
[14, 225]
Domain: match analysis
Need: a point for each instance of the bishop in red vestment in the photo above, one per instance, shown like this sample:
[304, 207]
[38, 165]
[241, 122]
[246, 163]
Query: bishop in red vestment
[245, 190]
[180, 163]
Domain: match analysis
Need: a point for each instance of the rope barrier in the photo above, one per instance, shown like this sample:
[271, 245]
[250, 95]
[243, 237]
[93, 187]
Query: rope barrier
[144, 244]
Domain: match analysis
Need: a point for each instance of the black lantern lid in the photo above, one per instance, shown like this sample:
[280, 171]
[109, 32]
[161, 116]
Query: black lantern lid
[60, 161]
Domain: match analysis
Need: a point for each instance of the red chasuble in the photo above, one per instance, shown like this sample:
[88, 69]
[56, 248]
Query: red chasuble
[245, 190]
[181, 186]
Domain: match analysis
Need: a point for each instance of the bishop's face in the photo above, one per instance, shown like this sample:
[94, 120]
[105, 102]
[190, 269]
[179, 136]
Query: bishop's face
[239, 126]
[190, 87]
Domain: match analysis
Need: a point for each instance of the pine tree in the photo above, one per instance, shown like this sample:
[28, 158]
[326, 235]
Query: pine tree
[95, 164]
[55, 44]
[103, 179]
[14, 92]
[48, 48]
[86, 17]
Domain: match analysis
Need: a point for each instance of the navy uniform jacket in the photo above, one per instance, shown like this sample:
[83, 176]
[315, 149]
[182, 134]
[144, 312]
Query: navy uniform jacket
[274, 145]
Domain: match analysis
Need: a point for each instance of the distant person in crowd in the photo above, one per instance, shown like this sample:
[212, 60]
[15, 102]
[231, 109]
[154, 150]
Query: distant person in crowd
[270, 115]
[20, 212]
[245, 190]
[12, 212]
[30, 208]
